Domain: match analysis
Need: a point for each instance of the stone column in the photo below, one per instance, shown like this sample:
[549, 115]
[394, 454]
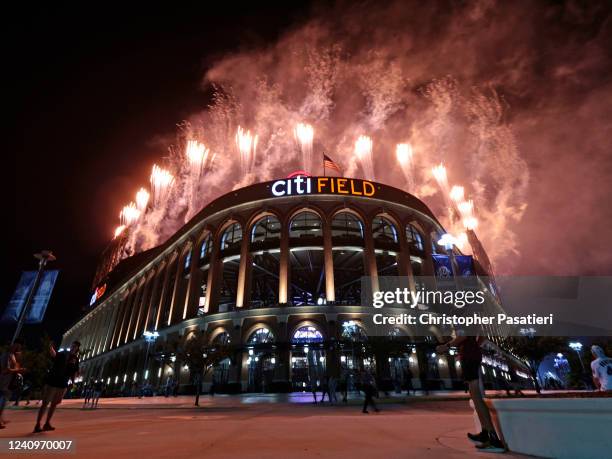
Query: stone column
[330, 291]
[166, 289]
[369, 256]
[244, 271]
[284, 274]
[190, 308]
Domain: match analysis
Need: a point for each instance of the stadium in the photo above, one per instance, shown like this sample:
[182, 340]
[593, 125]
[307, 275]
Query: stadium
[275, 270]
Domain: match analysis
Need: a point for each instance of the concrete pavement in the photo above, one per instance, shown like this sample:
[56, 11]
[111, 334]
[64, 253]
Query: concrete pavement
[256, 427]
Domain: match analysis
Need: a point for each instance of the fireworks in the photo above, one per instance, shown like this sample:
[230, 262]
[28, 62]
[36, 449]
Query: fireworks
[403, 152]
[363, 151]
[129, 214]
[196, 153]
[439, 173]
[142, 199]
[457, 193]
[247, 146]
[466, 208]
[161, 181]
[470, 223]
[120, 229]
[304, 134]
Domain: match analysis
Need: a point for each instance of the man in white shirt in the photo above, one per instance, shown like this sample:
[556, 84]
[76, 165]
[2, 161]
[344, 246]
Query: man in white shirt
[601, 368]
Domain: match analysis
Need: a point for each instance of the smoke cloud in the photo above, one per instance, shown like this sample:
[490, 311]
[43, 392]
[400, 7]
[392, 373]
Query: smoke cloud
[514, 98]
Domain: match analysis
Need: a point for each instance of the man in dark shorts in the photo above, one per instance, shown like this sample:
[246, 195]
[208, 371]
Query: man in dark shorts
[65, 367]
[470, 355]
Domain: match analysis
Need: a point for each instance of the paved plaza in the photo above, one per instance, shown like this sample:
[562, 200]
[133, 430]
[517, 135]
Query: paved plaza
[258, 427]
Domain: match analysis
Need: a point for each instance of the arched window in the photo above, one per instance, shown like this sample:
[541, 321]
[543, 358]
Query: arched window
[206, 249]
[261, 336]
[187, 262]
[266, 229]
[306, 225]
[230, 252]
[347, 227]
[231, 237]
[414, 238]
[265, 253]
[307, 272]
[353, 331]
[383, 231]
[307, 334]
[347, 253]
[222, 339]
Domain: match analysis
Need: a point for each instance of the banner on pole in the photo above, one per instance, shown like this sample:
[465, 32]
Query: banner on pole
[41, 297]
[39, 301]
[15, 306]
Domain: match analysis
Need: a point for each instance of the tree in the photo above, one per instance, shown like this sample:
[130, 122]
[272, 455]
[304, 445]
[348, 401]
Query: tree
[532, 351]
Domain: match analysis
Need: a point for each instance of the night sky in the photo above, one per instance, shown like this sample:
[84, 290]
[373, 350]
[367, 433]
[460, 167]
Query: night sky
[94, 96]
[89, 93]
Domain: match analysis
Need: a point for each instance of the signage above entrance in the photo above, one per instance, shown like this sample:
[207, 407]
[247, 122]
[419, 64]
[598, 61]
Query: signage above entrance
[322, 185]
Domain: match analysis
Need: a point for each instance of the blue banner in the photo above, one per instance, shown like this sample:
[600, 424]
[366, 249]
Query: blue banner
[443, 267]
[465, 265]
[13, 310]
[38, 307]
[41, 297]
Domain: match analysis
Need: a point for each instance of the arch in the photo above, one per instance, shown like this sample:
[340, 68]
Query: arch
[231, 237]
[415, 239]
[205, 247]
[216, 333]
[260, 334]
[230, 242]
[353, 330]
[306, 224]
[347, 228]
[384, 231]
[306, 333]
[265, 230]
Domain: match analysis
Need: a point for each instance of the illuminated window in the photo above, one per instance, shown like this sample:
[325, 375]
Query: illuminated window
[187, 263]
[384, 231]
[347, 227]
[266, 229]
[206, 248]
[307, 334]
[306, 225]
[414, 238]
[261, 336]
[232, 237]
[352, 331]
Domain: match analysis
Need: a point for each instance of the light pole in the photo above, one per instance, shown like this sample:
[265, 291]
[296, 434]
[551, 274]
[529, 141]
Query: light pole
[577, 346]
[43, 257]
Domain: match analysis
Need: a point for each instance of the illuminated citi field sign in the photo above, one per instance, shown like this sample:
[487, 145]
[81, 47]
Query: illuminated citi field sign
[322, 185]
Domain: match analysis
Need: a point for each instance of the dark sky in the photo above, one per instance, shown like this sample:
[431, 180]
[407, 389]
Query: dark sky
[87, 91]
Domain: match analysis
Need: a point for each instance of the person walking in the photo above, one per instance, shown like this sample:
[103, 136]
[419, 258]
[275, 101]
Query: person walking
[332, 385]
[325, 389]
[408, 380]
[601, 368]
[10, 370]
[368, 385]
[470, 356]
[88, 392]
[97, 389]
[65, 368]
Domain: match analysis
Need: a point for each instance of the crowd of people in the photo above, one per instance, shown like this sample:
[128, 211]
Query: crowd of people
[65, 368]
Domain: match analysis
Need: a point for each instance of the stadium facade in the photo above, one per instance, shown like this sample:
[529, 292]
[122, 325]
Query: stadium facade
[274, 269]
